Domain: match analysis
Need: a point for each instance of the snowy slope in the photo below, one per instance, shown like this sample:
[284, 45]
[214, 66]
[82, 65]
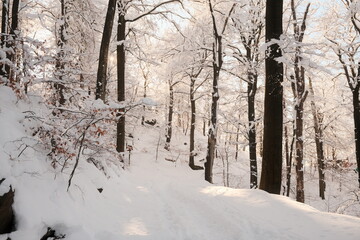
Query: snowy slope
[150, 200]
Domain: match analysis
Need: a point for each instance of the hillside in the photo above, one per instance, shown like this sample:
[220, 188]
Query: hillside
[150, 199]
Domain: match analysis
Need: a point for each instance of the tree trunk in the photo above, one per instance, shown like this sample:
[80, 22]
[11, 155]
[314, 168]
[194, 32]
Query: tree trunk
[288, 163]
[170, 117]
[273, 114]
[60, 64]
[193, 121]
[298, 88]
[145, 95]
[4, 19]
[4, 36]
[300, 197]
[252, 132]
[120, 140]
[356, 106]
[237, 142]
[318, 119]
[12, 41]
[217, 63]
[101, 80]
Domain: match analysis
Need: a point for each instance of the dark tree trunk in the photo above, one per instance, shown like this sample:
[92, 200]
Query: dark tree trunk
[300, 197]
[120, 143]
[217, 63]
[193, 121]
[15, 17]
[318, 119]
[288, 162]
[298, 88]
[101, 80]
[273, 116]
[170, 117]
[4, 35]
[204, 127]
[12, 39]
[252, 131]
[4, 19]
[356, 106]
[237, 143]
[145, 95]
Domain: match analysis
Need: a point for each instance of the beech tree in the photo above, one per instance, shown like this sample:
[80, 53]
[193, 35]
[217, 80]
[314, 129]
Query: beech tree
[319, 141]
[273, 115]
[123, 7]
[101, 80]
[248, 55]
[347, 52]
[217, 53]
[9, 38]
[60, 58]
[300, 94]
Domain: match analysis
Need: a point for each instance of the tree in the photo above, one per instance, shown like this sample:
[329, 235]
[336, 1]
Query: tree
[300, 94]
[169, 122]
[347, 53]
[4, 31]
[9, 36]
[13, 36]
[354, 79]
[250, 32]
[273, 115]
[61, 54]
[319, 141]
[104, 51]
[123, 7]
[217, 53]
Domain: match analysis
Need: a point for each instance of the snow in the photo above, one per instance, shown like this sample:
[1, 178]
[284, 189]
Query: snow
[151, 199]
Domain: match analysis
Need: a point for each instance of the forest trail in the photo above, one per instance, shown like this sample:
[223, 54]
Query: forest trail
[162, 201]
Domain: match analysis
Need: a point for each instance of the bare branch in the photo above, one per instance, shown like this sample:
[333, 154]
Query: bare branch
[227, 18]
[151, 11]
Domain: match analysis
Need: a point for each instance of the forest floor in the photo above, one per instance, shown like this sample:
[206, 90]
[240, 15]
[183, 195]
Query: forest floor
[152, 198]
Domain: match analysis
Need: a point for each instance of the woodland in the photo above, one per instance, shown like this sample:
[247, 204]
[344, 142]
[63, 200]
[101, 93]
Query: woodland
[246, 94]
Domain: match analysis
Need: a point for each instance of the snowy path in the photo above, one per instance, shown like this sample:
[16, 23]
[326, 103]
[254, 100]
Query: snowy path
[168, 204]
[157, 201]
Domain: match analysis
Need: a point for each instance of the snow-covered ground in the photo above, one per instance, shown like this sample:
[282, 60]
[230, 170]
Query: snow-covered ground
[151, 199]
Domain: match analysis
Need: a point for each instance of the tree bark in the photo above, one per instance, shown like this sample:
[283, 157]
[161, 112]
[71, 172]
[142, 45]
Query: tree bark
[217, 64]
[4, 35]
[101, 80]
[12, 42]
[120, 143]
[298, 88]
[299, 143]
[170, 117]
[192, 122]
[273, 115]
[319, 140]
[60, 65]
[252, 135]
[210, 156]
[288, 162]
[356, 106]
[144, 95]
